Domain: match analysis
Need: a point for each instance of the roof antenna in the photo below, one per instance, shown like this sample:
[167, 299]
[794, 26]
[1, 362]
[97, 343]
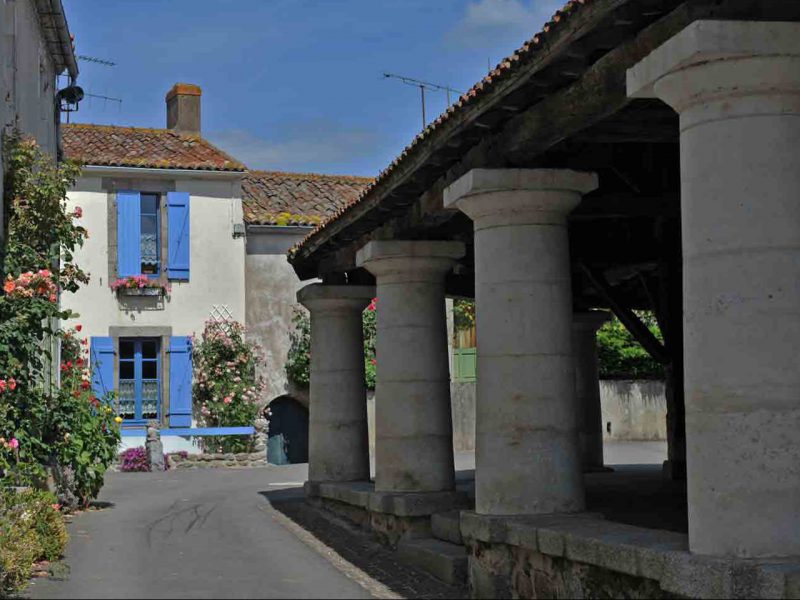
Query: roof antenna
[99, 61]
[423, 85]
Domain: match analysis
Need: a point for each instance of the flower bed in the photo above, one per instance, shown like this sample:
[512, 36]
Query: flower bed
[31, 530]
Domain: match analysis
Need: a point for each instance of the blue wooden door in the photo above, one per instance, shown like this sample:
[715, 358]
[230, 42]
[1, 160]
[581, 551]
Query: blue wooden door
[288, 432]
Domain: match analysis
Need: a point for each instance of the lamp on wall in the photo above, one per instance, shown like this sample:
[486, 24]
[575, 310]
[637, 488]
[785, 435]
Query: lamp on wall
[69, 97]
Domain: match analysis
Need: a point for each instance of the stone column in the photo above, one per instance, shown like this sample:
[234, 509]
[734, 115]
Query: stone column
[587, 387]
[527, 452]
[338, 449]
[413, 424]
[736, 86]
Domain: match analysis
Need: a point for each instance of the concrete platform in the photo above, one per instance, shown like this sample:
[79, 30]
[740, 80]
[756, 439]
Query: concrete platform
[445, 561]
[446, 526]
[581, 555]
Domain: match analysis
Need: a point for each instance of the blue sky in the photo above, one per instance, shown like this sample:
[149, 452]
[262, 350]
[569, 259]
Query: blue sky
[294, 85]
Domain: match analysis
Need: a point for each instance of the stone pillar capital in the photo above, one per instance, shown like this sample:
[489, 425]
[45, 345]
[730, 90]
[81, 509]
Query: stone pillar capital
[711, 61]
[589, 321]
[519, 196]
[318, 297]
[409, 260]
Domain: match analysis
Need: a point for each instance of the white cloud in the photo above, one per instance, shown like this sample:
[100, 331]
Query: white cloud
[487, 22]
[319, 146]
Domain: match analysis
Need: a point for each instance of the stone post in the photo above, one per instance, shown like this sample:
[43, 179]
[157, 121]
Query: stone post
[154, 447]
[736, 86]
[527, 452]
[587, 387]
[338, 449]
[413, 423]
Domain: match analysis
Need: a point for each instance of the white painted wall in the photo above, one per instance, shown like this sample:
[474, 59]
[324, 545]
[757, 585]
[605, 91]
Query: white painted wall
[216, 272]
[271, 293]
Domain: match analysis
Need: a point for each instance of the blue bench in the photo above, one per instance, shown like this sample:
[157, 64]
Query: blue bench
[190, 431]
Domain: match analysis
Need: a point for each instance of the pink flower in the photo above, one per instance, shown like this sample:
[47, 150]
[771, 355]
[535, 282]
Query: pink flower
[78, 213]
[227, 400]
[2, 385]
[45, 273]
[13, 444]
[12, 384]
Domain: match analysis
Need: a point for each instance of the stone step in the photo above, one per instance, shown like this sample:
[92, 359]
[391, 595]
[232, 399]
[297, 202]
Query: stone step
[446, 526]
[443, 560]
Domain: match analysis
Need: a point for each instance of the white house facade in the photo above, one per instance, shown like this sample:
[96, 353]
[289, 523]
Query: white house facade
[165, 253]
[181, 233]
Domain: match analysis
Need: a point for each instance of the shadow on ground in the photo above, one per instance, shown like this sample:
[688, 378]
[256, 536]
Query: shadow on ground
[359, 549]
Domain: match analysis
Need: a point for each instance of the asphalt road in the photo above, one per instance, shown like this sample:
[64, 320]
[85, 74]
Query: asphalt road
[207, 533]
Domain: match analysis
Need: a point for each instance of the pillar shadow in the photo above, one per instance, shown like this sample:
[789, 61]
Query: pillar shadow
[358, 548]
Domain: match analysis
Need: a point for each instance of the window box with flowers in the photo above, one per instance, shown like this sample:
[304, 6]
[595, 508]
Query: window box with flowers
[140, 285]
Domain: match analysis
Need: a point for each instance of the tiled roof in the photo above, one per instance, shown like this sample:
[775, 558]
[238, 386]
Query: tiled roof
[504, 70]
[276, 198]
[107, 145]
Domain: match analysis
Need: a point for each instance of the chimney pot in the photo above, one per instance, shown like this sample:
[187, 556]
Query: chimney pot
[183, 108]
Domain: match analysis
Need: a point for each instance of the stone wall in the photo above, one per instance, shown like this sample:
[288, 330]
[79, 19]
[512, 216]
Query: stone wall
[636, 410]
[205, 461]
[633, 410]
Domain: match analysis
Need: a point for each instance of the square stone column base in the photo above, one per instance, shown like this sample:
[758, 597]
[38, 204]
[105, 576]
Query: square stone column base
[390, 516]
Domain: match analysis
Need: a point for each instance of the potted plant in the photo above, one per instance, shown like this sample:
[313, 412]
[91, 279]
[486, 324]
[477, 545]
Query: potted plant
[139, 285]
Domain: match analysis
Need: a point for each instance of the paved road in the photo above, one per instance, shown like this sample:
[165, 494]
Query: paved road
[194, 534]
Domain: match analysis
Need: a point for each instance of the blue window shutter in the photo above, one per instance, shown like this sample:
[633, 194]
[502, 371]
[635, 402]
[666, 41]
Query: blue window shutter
[129, 234]
[102, 365]
[178, 240]
[180, 382]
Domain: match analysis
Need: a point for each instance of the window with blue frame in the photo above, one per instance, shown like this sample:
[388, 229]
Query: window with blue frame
[142, 233]
[139, 379]
[150, 235]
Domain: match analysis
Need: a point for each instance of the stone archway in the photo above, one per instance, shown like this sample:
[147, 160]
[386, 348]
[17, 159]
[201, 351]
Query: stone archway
[288, 432]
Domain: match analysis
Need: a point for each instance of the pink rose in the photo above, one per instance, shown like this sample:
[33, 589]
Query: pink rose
[78, 213]
[13, 444]
[227, 400]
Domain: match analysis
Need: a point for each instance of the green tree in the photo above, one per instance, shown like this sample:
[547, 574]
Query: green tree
[621, 356]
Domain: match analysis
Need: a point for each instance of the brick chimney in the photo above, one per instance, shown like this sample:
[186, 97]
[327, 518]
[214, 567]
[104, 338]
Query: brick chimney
[183, 108]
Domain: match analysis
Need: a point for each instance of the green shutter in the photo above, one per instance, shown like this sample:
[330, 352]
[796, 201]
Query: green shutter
[465, 364]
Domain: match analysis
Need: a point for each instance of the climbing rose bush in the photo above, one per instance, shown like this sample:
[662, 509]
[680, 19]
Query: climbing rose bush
[45, 425]
[298, 362]
[226, 386]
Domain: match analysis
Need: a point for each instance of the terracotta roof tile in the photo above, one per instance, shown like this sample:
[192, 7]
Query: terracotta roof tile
[107, 145]
[276, 198]
[505, 69]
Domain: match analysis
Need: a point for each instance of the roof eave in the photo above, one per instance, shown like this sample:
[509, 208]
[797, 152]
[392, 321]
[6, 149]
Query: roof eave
[58, 38]
[90, 169]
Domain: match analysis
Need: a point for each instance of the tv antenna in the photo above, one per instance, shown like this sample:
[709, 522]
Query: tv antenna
[423, 85]
[99, 61]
